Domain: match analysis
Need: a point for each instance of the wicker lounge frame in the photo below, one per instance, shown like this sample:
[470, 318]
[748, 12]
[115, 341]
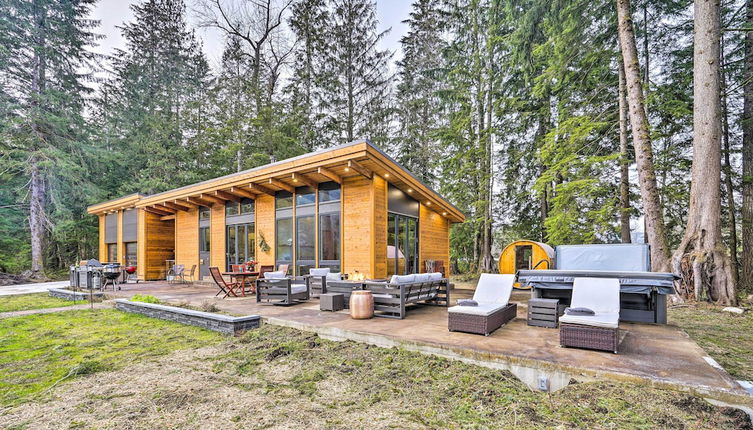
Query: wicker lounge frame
[481, 324]
[589, 337]
[279, 291]
[391, 300]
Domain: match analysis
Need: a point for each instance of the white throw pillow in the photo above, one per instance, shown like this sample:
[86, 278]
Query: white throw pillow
[422, 277]
[274, 275]
[337, 276]
[435, 276]
[319, 272]
[405, 279]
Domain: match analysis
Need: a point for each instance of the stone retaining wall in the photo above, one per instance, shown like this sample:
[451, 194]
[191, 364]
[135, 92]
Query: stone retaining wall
[217, 322]
[66, 294]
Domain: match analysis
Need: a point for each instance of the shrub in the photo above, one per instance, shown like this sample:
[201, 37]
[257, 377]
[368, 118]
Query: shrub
[145, 298]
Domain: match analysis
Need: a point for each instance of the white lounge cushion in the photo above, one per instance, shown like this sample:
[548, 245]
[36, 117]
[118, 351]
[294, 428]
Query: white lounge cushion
[337, 276]
[493, 288]
[274, 275]
[435, 276]
[422, 277]
[483, 309]
[598, 320]
[297, 288]
[319, 272]
[602, 295]
[405, 279]
[382, 296]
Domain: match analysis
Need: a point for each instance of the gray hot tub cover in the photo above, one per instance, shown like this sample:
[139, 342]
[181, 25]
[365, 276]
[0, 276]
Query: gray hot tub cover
[630, 282]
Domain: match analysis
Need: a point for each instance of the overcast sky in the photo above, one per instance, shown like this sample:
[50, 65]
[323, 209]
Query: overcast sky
[113, 13]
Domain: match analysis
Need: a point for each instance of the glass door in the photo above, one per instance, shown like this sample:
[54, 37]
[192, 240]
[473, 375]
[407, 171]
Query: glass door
[240, 240]
[402, 244]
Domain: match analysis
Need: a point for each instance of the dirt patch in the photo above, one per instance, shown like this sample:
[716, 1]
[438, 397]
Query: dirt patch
[281, 378]
[9, 279]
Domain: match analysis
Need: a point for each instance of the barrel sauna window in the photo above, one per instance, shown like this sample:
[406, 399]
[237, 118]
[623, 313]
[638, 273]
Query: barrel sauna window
[523, 257]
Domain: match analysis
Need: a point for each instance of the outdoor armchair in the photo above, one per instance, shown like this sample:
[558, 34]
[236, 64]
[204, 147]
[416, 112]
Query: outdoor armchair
[601, 330]
[277, 288]
[493, 310]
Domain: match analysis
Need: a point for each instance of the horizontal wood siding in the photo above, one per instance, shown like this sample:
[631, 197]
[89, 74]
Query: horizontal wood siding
[358, 225]
[380, 228]
[158, 246]
[265, 226]
[187, 238]
[217, 237]
[434, 238]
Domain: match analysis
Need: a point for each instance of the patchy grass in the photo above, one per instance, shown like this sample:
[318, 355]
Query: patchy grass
[25, 302]
[276, 377]
[39, 351]
[728, 338]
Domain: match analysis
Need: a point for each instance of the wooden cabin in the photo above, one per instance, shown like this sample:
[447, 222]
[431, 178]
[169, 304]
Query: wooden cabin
[351, 208]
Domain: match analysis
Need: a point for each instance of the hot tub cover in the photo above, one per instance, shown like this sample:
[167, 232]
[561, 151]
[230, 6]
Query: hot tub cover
[630, 282]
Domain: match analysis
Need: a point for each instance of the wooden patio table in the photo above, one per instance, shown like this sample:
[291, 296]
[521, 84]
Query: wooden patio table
[242, 278]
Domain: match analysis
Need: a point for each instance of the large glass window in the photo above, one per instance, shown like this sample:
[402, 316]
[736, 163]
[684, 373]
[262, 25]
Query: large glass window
[283, 200]
[204, 239]
[284, 240]
[402, 244]
[131, 250]
[112, 252]
[246, 206]
[305, 196]
[329, 241]
[305, 244]
[204, 213]
[241, 243]
[329, 191]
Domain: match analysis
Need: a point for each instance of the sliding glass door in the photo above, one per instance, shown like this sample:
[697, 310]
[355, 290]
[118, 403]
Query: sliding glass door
[240, 243]
[402, 244]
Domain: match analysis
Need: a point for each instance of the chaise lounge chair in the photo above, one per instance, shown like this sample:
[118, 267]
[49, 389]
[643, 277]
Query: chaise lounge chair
[599, 331]
[493, 309]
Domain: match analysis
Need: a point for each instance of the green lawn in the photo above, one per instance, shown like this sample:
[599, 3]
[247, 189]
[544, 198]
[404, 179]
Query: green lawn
[728, 338]
[25, 302]
[277, 377]
[37, 351]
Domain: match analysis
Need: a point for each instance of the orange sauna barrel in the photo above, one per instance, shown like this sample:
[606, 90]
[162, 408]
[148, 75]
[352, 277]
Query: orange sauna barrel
[526, 255]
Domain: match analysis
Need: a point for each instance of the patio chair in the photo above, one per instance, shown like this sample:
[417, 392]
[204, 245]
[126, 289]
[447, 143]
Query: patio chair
[236, 267]
[278, 289]
[228, 288]
[283, 268]
[176, 273]
[191, 274]
[493, 310]
[265, 269]
[601, 330]
[318, 278]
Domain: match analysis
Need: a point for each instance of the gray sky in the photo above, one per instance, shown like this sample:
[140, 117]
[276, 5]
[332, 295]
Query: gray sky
[113, 13]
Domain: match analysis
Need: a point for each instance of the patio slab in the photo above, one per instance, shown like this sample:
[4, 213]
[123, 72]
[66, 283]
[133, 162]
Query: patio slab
[659, 355]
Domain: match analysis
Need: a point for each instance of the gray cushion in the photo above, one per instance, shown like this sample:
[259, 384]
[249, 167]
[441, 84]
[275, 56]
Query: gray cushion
[467, 302]
[579, 311]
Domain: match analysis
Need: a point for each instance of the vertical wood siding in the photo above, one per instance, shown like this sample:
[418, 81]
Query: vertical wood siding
[217, 237]
[434, 238]
[159, 245]
[265, 225]
[187, 238]
[380, 228]
[358, 225]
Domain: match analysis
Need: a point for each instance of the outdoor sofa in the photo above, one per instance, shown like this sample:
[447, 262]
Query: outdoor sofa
[492, 311]
[392, 298]
[599, 331]
[278, 289]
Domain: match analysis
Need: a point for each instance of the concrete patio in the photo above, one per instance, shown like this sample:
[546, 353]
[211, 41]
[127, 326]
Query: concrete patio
[658, 355]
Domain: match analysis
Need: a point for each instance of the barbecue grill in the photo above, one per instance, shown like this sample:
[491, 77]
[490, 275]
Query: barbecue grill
[111, 273]
[131, 272]
[87, 274]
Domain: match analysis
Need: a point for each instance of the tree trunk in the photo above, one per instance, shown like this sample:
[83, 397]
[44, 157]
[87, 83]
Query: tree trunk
[731, 216]
[624, 161]
[746, 275]
[644, 155]
[701, 259]
[36, 184]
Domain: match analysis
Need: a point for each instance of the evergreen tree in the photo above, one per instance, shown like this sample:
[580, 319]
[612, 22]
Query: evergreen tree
[42, 99]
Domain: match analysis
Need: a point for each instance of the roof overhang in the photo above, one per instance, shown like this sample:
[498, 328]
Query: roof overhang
[359, 158]
[114, 205]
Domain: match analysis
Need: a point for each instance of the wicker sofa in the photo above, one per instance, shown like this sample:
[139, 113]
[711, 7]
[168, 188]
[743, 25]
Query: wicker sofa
[278, 289]
[601, 330]
[393, 298]
[493, 309]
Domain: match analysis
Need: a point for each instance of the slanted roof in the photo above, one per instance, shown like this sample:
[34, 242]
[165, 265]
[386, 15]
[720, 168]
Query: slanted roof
[355, 158]
[120, 203]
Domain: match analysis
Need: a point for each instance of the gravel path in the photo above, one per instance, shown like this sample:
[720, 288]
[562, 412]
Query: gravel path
[40, 287]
